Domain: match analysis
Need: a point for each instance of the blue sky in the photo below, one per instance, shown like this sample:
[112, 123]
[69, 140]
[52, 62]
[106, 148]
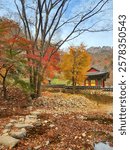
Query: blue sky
[89, 39]
[93, 38]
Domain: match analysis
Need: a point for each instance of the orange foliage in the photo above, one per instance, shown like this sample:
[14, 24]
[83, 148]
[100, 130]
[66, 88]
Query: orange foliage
[13, 43]
[50, 63]
[75, 63]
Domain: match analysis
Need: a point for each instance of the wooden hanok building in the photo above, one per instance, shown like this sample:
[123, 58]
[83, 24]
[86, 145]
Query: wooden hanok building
[95, 77]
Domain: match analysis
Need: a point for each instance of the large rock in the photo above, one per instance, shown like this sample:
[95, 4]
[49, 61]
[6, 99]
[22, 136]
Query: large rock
[22, 125]
[8, 141]
[19, 134]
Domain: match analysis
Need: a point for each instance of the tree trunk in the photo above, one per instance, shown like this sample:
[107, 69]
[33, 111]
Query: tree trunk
[4, 88]
[39, 87]
[38, 78]
[31, 78]
[74, 85]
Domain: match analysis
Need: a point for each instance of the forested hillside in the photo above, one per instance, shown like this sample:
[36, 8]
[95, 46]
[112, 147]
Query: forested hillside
[102, 59]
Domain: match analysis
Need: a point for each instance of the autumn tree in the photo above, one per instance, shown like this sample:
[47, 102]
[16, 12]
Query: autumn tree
[44, 19]
[12, 49]
[5, 63]
[3, 75]
[53, 66]
[75, 63]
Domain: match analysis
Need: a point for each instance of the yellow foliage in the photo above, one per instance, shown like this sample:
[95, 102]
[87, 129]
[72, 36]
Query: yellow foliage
[2, 72]
[75, 63]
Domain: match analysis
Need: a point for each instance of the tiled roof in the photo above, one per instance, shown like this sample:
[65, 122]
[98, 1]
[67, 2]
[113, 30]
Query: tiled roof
[96, 73]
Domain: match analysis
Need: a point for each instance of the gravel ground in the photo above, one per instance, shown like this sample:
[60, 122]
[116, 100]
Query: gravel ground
[68, 122]
[68, 103]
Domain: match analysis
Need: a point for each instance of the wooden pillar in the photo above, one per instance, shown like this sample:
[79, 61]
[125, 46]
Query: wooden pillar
[89, 82]
[103, 83]
[85, 82]
[96, 82]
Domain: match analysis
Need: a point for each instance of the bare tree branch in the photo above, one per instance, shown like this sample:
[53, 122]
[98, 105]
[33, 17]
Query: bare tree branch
[52, 16]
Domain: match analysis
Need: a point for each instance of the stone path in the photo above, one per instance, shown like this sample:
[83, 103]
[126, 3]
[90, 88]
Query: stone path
[16, 129]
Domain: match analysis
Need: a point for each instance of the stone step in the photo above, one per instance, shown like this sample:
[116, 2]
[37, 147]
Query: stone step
[8, 141]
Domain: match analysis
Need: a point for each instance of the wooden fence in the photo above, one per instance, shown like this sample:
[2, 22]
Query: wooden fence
[80, 87]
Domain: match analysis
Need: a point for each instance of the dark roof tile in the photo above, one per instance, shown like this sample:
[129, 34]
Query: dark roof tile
[96, 73]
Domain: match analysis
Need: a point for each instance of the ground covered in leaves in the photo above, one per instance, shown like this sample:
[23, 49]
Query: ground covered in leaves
[68, 122]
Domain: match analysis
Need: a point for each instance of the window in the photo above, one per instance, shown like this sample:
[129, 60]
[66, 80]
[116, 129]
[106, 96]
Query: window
[93, 83]
[87, 83]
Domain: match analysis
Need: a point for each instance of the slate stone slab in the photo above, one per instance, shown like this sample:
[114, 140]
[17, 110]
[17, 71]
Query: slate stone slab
[8, 141]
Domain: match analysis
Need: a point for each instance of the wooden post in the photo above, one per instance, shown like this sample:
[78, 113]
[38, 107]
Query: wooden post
[103, 83]
[96, 82]
[85, 82]
[89, 82]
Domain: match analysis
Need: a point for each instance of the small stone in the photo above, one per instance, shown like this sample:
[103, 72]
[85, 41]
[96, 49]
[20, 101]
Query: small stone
[80, 117]
[37, 147]
[47, 143]
[51, 125]
[56, 128]
[21, 119]
[75, 137]
[45, 121]
[83, 134]
[8, 141]
[88, 140]
[89, 136]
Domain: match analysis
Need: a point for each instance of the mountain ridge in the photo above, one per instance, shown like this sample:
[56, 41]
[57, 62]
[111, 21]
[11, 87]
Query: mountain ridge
[102, 59]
